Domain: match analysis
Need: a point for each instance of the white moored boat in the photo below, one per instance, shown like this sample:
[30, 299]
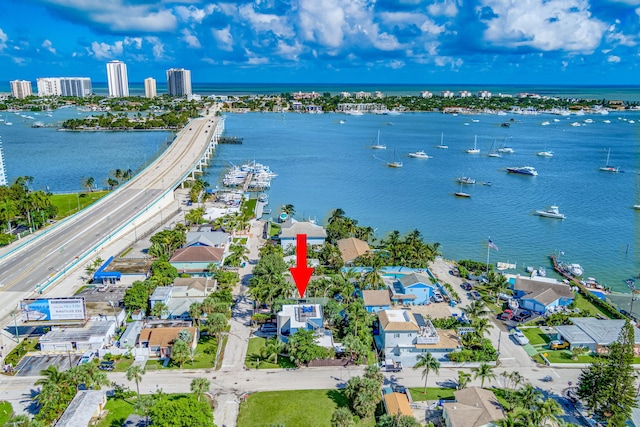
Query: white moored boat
[475, 149]
[552, 212]
[419, 155]
[377, 145]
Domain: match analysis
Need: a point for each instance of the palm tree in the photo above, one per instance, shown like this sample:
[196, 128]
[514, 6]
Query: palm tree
[289, 209]
[199, 386]
[8, 211]
[195, 311]
[272, 349]
[546, 412]
[483, 372]
[498, 283]
[429, 363]
[463, 379]
[507, 422]
[529, 396]
[482, 326]
[88, 182]
[336, 215]
[135, 373]
[476, 309]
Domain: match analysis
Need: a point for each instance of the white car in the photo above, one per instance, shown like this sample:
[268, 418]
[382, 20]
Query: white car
[520, 338]
[437, 297]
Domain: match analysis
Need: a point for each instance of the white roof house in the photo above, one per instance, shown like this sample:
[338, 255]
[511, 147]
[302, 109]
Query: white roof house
[594, 333]
[316, 235]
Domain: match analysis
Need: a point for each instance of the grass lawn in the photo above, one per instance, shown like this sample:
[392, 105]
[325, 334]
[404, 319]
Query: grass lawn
[68, 203]
[6, 411]
[433, 393]
[564, 356]
[584, 305]
[253, 350]
[293, 408]
[249, 207]
[274, 229]
[123, 364]
[119, 410]
[17, 353]
[203, 357]
[536, 336]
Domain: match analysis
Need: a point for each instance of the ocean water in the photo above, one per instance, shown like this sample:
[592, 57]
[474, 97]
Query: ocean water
[323, 164]
[60, 160]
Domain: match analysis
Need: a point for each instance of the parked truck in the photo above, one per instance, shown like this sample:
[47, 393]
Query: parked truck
[392, 366]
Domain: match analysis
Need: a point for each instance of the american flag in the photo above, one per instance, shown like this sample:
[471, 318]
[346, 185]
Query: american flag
[492, 245]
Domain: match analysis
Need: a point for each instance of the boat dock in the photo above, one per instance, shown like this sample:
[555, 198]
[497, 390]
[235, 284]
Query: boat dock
[247, 181]
[230, 140]
[565, 274]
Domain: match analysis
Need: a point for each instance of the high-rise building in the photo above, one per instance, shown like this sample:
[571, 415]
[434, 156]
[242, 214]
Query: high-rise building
[64, 86]
[179, 82]
[117, 79]
[20, 88]
[76, 86]
[49, 86]
[150, 87]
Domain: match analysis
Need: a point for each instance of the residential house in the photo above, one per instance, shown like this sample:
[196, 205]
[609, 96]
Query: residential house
[162, 294]
[195, 260]
[541, 294]
[94, 336]
[294, 317]
[375, 301]
[403, 336]
[86, 407]
[473, 407]
[160, 340]
[192, 287]
[595, 334]
[397, 404]
[316, 235]
[214, 239]
[352, 248]
[414, 288]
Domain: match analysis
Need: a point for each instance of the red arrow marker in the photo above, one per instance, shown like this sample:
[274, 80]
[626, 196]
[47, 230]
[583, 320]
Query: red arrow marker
[301, 273]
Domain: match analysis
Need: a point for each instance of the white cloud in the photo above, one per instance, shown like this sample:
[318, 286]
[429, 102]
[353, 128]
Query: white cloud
[322, 22]
[288, 51]
[224, 38]
[395, 64]
[158, 47]
[105, 50]
[191, 40]
[49, 46]
[613, 59]
[3, 40]
[191, 13]
[544, 25]
[629, 2]
[133, 41]
[262, 22]
[448, 8]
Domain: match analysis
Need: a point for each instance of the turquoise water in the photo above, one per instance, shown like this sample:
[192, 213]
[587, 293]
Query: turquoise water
[322, 164]
[61, 160]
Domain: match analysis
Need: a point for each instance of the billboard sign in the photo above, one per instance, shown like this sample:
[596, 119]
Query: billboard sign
[44, 309]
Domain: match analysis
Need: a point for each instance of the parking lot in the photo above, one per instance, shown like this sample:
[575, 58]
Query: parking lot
[32, 365]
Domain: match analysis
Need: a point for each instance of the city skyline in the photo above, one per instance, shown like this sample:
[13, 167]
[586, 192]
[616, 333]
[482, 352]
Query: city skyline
[338, 41]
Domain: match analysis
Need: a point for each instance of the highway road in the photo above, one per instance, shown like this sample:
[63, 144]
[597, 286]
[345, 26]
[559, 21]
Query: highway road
[51, 253]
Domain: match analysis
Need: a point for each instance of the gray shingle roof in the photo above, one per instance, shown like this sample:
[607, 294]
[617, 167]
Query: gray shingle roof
[592, 330]
[311, 230]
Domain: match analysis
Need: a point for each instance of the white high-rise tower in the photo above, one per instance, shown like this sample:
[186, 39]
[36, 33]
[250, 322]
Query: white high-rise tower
[117, 79]
[3, 169]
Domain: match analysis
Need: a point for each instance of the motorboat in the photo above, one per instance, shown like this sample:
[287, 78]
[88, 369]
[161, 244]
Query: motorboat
[506, 150]
[545, 153]
[542, 272]
[523, 170]
[575, 124]
[466, 180]
[575, 270]
[552, 212]
[419, 155]
[545, 123]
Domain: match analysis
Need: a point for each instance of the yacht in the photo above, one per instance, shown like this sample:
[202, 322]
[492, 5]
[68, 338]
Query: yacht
[475, 149]
[466, 180]
[506, 150]
[545, 123]
[552, 212]
[419, 155]
[442, 145]
[395, 163]
[523, 170]
[545, 153]
[575, 270]
[542, 272]
[608, 167]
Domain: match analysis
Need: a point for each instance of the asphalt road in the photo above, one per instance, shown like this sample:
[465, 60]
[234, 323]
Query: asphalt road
[54, 251]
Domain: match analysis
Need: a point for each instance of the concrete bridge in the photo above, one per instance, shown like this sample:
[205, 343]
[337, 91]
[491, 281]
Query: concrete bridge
[36, 262]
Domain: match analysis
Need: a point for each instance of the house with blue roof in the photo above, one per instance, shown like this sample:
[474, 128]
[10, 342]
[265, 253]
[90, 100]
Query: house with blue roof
[414, 288]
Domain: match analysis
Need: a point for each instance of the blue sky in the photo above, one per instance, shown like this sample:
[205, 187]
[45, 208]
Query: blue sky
[327, 41]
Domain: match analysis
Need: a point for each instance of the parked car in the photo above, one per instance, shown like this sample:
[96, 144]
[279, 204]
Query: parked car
[476, 295]
[506, 315]
[437, 297]
[520, 338]
[466, 286]
[558, 345]
[107, 365]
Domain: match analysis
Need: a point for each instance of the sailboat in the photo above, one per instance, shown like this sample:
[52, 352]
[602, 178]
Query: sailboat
[442, 142]
[607, 167]
[395, 163]
[475, 149]
[462, 193]
[377, 145]
[492, 150]
[545, 152]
